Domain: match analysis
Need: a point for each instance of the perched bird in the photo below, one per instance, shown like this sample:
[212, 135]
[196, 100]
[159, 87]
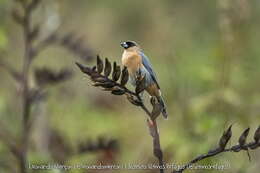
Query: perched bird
[138, 63]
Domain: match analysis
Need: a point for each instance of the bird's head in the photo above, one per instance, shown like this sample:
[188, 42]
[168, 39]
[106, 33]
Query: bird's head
[129, 44]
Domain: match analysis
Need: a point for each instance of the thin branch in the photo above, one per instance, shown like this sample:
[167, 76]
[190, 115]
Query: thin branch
[157, 151]
[117, 88]
[242, 146]
[68, 41]
[29, 94]
[29, 34]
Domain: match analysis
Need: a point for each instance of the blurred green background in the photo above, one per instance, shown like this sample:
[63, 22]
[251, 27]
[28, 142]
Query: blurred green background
[206, 55]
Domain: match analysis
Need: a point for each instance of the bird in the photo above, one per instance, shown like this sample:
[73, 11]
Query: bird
[136, 62]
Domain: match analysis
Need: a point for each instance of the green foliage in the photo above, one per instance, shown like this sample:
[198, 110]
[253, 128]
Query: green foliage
[3, 39]
[207, 82]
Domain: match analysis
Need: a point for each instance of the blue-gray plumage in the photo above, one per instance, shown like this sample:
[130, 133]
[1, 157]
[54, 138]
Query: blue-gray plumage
[137, 63]
[149, 67]
[149, 80]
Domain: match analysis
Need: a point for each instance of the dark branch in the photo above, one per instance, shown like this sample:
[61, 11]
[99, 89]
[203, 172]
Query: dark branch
[44, 76]
[68, 41]
[242, 146]
[119, 88]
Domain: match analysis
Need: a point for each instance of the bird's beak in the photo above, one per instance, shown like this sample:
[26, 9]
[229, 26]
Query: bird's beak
[124, 45]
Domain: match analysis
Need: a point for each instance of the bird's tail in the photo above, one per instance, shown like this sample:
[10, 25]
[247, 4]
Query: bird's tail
[164, 111]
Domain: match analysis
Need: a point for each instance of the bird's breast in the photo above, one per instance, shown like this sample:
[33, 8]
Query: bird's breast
[132, 60]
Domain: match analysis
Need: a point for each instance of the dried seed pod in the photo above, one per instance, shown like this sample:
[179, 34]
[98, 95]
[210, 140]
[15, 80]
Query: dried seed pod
[105, 84]
[108, 68]
[243, 137]
[94, 68]
[236, 148]
[140, 85]
[131, 99]
[94, 75]
[100, 65]
[84, 69]
[124, 76]
[99, 79]
[96, 84]
[257, 135]
[111, 89]
[225, 138]
[118, 92]
[106, 89]
[116, 72]
[46, 76]
[254, 146]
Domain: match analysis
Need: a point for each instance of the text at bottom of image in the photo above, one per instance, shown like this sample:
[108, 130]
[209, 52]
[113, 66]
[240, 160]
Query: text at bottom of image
[129, 166]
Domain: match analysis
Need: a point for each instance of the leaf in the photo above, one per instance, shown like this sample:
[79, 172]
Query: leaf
[116, 72]
[140, 85]
[124, 76]
[108, 68]
[243, 137]
[225, 138]
[257, 135]
[100, 65]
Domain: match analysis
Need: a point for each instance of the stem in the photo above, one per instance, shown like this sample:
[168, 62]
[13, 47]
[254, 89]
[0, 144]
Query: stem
[211, 153]
[157, 146]
[153, 128]
[151, 122]
[25, 88]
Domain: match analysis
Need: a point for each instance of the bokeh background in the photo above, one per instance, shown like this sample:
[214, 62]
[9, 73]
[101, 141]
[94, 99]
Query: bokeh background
[206, 55]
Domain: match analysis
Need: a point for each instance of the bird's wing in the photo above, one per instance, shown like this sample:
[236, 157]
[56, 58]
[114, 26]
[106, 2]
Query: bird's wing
[149, 68]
